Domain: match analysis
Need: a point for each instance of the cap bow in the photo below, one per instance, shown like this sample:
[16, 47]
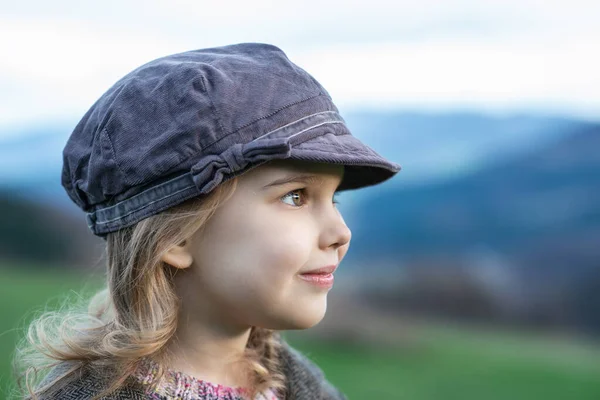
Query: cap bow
[211, 169]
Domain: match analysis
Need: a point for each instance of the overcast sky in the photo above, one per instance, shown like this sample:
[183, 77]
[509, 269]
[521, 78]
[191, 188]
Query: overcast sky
[58, 57]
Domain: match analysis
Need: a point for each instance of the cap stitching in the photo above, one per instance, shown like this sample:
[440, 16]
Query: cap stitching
[276, 111]
[291, 123]
[144, 214]
[258, 119]
[212, 105]
[114, 155]
[170, 181]
[312, 127]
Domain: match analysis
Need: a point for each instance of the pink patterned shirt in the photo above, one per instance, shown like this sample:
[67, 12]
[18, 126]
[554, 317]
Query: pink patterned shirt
[179, 386]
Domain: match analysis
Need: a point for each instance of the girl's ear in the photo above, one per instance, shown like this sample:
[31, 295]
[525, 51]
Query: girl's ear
[178, 256]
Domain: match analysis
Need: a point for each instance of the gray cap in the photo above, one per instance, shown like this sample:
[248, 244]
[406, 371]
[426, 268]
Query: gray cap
[176, 127]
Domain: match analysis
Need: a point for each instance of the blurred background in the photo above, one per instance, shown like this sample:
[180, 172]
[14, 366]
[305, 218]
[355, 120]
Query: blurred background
[473, 274]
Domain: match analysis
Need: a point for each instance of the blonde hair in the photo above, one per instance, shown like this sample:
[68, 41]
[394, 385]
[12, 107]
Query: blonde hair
[135, 315]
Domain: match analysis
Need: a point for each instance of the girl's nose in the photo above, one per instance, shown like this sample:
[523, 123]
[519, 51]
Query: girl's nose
[335, 231]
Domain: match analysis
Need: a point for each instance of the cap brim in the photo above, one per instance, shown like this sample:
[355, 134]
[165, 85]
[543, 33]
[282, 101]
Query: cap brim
[363, 165]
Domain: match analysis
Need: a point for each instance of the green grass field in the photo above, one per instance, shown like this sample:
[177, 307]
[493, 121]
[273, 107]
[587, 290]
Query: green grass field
[448, 363]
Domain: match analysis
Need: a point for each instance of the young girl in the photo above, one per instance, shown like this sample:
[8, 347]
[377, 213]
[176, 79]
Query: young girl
[211, 175]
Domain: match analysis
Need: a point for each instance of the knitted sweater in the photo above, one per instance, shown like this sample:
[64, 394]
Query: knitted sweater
[304, 380]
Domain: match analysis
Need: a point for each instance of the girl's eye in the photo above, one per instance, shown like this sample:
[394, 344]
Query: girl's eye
[294, 195]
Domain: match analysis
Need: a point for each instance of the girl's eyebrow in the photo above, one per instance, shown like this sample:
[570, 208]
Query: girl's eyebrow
[297, 178]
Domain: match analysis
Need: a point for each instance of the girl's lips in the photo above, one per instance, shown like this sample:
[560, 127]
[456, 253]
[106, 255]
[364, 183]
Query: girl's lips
[323, 270]
[321, 280]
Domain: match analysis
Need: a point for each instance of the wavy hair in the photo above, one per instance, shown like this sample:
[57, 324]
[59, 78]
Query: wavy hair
[134, 315]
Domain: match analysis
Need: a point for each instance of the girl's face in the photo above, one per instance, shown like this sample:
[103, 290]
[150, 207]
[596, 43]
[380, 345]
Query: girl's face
[248, 259]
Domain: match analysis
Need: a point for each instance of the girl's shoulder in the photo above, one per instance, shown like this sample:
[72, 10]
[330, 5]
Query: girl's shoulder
[83, 385]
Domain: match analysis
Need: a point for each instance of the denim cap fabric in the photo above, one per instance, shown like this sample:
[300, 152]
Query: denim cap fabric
[176, 127]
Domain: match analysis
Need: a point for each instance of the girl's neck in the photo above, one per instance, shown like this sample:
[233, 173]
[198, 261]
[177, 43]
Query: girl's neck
[209, 358]
[214, 371]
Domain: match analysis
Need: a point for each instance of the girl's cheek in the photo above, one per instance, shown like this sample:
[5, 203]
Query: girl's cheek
[285, 251]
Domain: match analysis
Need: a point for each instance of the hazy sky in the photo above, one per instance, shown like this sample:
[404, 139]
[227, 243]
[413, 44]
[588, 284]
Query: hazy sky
[58, 57]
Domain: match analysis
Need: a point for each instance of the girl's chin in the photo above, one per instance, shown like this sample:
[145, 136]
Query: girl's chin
[309, 318]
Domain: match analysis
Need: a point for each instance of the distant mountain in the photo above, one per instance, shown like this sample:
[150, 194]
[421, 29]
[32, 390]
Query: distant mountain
[527, 205]
[441, 146]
